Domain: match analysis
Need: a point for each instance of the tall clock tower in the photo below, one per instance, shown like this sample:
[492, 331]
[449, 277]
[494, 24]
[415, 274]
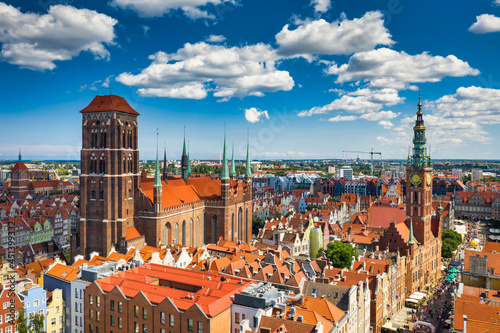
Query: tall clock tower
[419, 183]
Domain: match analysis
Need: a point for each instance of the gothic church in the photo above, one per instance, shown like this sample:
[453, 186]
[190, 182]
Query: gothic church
[120, 206]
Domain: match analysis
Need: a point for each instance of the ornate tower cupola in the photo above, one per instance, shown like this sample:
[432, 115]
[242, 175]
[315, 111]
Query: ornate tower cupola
[157, 187]
[419, 139]
[419, 186]
[184, 160]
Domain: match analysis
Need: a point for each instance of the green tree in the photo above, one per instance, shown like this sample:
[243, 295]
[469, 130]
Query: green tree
[311, 207]
[339, 253]
[453, 236]
[447, 250]
[36, 324]
[451, 241]
[257, 224]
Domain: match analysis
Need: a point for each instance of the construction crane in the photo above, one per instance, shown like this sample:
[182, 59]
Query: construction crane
[365, 152]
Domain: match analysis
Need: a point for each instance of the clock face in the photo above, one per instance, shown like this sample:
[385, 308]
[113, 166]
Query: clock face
[429, 179]
[415, 178]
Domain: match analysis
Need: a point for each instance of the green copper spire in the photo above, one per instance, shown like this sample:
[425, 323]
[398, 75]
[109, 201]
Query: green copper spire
[184, 160]
[189, 163]
[419, 159]
[20, 155]
[248, 169]
[233, 165]
[411, 233]
[184, 147]
[225, 171]
[157, 172]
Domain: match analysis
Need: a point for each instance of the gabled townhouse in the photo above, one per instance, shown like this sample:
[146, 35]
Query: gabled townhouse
[10, 305]
[55, 316]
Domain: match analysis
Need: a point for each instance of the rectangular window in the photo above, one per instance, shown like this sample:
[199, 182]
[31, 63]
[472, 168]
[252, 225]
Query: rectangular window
[112, 321]
[136, 311]
[171, 320]
[91, 300]
[236, 317]
[98, 301]
[91, 329]
[144, 328]
[91, 314]
[162, 318]
[120, 322]
[200, 327]
[120, 307]
[144, 314]
[53, 322]
[98, 316]
[112, 305]
[190, 325]
[136, 327]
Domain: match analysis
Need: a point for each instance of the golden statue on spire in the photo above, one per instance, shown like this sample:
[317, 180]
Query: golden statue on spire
[419, 103]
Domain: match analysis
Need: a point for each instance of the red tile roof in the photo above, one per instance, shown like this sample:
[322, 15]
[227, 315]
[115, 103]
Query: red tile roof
[109, 103]
[382, 216]
[213, 297]
[132, 233]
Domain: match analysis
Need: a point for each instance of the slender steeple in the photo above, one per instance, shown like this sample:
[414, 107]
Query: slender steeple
[248, 169]
[165, 166]
[157, 187]
[157, 171]
[410, 241]
[419, 159]
[20, 158]
[184, 160]
[225, 171]
[189, 163]
[233, 165]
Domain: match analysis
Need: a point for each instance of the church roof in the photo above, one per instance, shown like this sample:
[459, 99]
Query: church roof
[109, 103]
[20, 166]
[172, 195]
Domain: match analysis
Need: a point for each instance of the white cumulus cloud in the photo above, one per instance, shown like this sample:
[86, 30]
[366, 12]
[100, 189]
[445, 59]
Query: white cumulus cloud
[361, 101]
[37, 41]
[386, 68]
[215, 39]
[193, 9]
[485, 23]
[342, 118]
[343, 36]
[386, 124]
[196, 69]
[254, 115]
[321, 6]
[379, 116]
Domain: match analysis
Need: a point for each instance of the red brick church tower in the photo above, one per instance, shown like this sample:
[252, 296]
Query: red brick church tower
[110, 174]
[19, 178]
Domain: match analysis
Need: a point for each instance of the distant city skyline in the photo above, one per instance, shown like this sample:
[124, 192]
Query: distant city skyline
[308, 80]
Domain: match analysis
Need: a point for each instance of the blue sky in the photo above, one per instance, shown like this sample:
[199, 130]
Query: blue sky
[309, 79]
